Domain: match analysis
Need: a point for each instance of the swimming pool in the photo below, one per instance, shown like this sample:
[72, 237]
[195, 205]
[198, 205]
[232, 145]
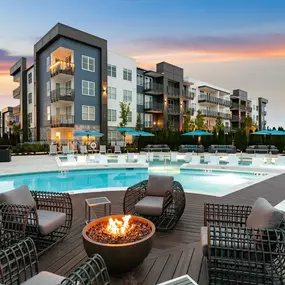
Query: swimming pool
[216, 183]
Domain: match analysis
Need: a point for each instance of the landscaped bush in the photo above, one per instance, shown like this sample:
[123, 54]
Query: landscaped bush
[30, 148]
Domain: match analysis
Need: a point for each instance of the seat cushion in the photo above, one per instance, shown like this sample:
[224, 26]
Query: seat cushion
[158, 185]
[44, 278]
[50, 221]
[19, 196]
[204, 240]
[150, 205]
[264, 216]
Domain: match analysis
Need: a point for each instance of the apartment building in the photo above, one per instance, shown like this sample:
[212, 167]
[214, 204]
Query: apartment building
[8, 117]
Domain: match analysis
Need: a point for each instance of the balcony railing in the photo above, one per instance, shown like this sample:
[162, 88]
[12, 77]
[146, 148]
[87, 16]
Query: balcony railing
[62, 67]
[151, 106]
[214, 100]
[236, 118]
[215, 114]
[238, 106]
[62, 94]
[249, 109]
[172, 91]
[188, 95]
[173, 110]
[62, 121]
[153, 88]
[17, 93]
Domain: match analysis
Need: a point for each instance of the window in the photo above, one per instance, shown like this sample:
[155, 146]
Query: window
[30, 79]
[112, 92]
[111, 115]
[148, 120]
[30, 99]
[140, 99]
[127, 74]
[30, 119]
[112, 70]
[127, 96]
[88, 113]
[88, 88]
[140, 80]
[48, 63]
[88, 63]
[68, 111]
[48, 113]
[129, 118]
[68, 87]
[48, 89]
[256, 107]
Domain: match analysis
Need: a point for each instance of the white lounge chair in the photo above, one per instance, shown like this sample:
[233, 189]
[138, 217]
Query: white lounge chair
[65, 149]
[117, 149]
[233, 160]
[257, 161]
[214, 160]
[53, 149]
[150, 156]
[102, 149]
[83, 149]
[207, 157]
[280, 160]
[173, 157]
[81, 159]
[195, 159]
[122, 159]
[130, 157]
[142, 158]
[188, 157]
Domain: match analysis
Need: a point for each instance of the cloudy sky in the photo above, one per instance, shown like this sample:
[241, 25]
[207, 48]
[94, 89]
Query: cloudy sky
[232, 44]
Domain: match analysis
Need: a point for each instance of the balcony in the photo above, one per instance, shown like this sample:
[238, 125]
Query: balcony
[151, 107]
[188, 95]
[173, 92]
[238, 106]
[213, 100]
[153, 88]
[62, 67]
[62, 121]
[17, 93]
[236, 118]
[173, 110]
[62, 94]
[215, 114]
[249, 109]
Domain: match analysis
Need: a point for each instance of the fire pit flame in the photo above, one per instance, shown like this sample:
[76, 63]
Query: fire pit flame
[117, 227]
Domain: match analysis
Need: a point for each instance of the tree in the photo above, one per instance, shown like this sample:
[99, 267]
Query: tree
[280, 129]
[124, 112]
[249, 125]
[188, 124]
[199, 121]
[139, 122]
[16, 132]
[170, 125]
[219, 127]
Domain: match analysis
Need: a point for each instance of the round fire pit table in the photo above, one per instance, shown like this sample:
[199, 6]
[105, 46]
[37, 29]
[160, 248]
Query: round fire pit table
[119, 257]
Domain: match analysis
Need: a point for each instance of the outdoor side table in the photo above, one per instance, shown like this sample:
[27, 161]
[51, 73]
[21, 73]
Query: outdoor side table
[92, 202]
[182, 280]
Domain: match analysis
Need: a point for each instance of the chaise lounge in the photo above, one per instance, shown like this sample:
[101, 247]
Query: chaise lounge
[191, 148]
[46, 217]
[159, 199]
[156, 147]
[263, 149]
[222, 148]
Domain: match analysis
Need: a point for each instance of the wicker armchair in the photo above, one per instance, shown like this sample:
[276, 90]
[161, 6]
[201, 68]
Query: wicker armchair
[173, 203]
[47, 221]
[237, 254]
[19, 264]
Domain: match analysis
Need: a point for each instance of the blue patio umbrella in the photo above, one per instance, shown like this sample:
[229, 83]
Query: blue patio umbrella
[269, 132]
[87, 134]
[140, 134]
[197, 133]
[124, 129]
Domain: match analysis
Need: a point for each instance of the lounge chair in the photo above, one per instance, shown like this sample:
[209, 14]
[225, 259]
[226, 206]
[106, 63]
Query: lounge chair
[188, 157]
[53, 149]
[173, 157]
[280, 160]
[150, 156]
[83, 149]
[71, 160]
[122, 159]
[195, 160]
[117, 149]
[159, 199]
[65, 149]
[46, 217]
[232, 160]
[102, 149]
[244, 244]
[19, 263]
[214, 160]
[130, 157]
[142, 158]
[257, 161]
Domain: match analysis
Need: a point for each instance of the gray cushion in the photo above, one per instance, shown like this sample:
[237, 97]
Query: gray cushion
[19, 196]
[50, 221]
[264, 216]
[158, 185]
[44, 278]
[150, 205]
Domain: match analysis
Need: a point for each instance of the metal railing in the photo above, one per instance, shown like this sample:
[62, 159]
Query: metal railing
[17, 93]
[214, 100]
[173, 110]
[153, 106]
[173, 91]
[62, 121]
[62, 94]
[188, 95]
[215, 114]
[62, 67]
[153, 87]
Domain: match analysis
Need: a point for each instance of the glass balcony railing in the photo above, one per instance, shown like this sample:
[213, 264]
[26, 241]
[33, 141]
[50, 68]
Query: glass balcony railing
[173, 91]
[151, 106]
[173, 110]
[153, 88]
[215, 114]
[17, 93]
[214, 100]
[62, 67]
[62, 94]
[62, 121]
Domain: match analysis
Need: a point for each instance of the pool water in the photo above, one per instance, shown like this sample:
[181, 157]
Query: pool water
[200, 181]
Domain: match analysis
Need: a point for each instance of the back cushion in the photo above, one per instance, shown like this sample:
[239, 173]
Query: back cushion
[264, 216]
[18, 196]
[158, 185]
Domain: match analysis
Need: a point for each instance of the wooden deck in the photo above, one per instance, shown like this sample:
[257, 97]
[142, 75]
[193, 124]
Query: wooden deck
[174, 253]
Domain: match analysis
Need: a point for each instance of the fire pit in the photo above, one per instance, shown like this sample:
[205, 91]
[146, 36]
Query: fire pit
[123, 241]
